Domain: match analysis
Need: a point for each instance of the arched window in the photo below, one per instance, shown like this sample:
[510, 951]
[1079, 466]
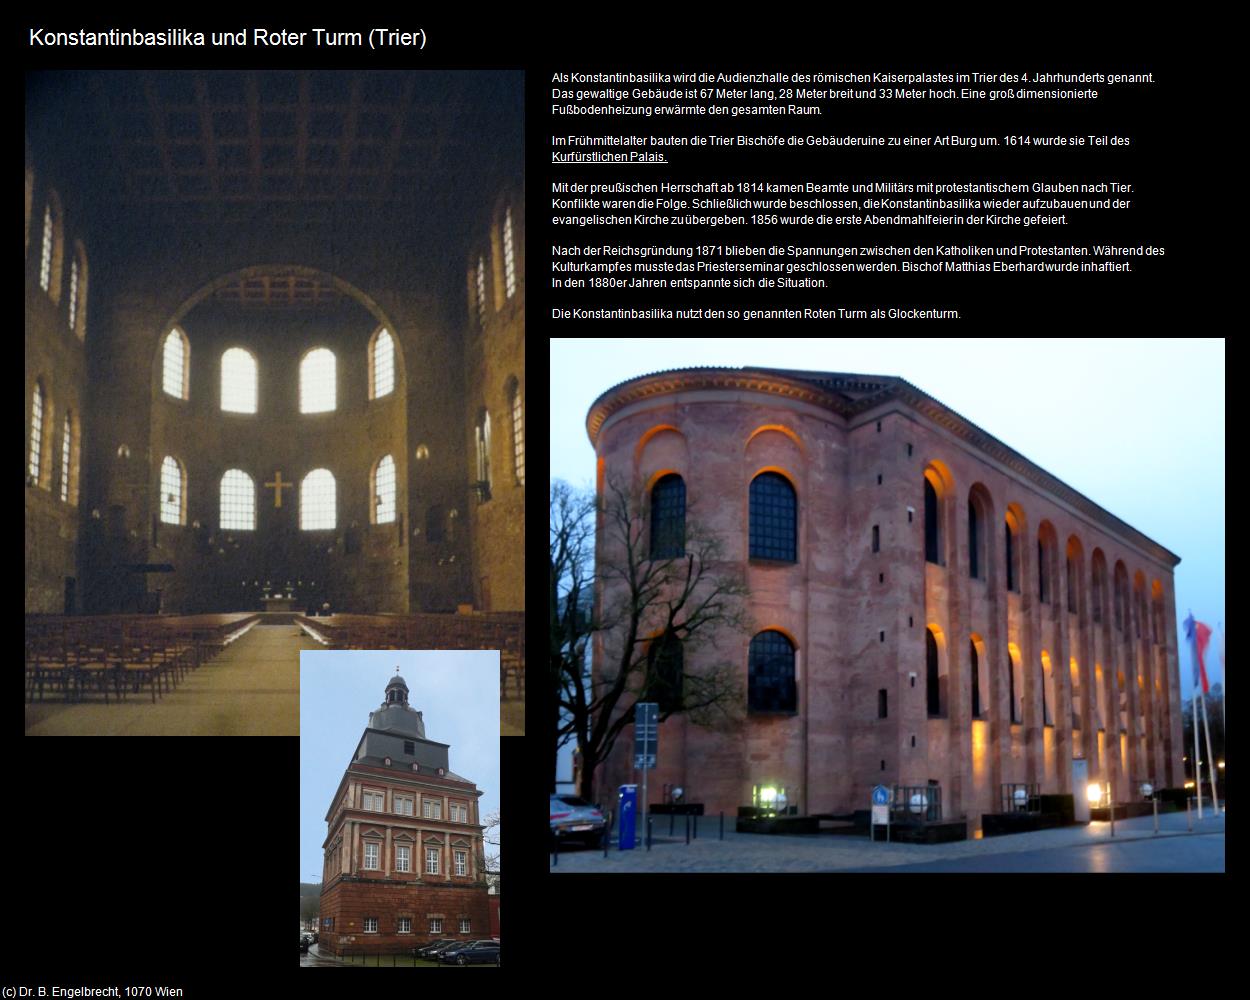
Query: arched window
[665, 667]
[67, 441]
[52, 247]
[1015, 685]
[238, 381]
[1048, 689]
[481, 292]
[1011, 557]
[384, 491]
[238, 501]
[931, 548]
[509, 257]
[668, 517]
[481, 437]
[176, 357]
[774, 518]
[933, 681]
[974, 541]
[316, 501]
[518, 435]
[73, 292]
[976, 681]
[1076, 694]
[36, 433]
[771, 674]
[173, 492]
[317, 381]
[1043, 574]
[382, 365]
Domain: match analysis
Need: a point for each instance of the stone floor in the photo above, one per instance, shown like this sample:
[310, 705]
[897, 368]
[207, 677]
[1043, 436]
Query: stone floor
[761, 853]
[250, 689]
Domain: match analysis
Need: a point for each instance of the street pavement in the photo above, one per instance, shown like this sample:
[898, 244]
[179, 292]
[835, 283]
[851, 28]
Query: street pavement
[1135, 847]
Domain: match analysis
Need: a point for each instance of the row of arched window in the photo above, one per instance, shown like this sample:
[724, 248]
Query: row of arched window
[770, 673]
[481, 439]
[44, 464]
[317, 493]
[239, 376]
[493, 278]
[53, 280]
[774, 535]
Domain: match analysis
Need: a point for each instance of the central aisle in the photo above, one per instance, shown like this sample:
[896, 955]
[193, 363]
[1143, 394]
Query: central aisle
[251, 689]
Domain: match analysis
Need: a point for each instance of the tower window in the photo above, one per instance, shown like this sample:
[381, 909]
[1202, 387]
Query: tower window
[409, 747]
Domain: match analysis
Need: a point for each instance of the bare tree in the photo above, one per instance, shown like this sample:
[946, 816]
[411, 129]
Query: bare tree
[490, 838]
[648, 610]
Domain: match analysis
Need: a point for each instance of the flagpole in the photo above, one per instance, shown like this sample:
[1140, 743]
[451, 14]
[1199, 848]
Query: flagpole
[1215, 799]
[1193, 653]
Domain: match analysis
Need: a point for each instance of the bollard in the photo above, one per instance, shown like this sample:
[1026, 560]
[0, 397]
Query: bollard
[722, 826]
[687, 829]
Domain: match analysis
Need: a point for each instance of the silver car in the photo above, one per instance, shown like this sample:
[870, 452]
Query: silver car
[573, 818]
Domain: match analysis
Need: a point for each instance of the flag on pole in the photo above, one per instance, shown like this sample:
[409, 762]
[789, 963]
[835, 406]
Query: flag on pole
[1203, 632]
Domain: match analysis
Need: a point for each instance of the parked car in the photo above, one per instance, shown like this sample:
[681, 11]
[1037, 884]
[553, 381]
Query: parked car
[471, 953]
[432, 949]
[573, 818]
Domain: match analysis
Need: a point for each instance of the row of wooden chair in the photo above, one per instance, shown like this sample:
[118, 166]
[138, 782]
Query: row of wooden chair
[504, 631]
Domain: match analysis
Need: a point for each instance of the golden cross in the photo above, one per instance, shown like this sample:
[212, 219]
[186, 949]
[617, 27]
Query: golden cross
[279, 486]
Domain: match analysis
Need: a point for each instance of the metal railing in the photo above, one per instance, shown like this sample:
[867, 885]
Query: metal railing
[1019, 797]
[916, 804]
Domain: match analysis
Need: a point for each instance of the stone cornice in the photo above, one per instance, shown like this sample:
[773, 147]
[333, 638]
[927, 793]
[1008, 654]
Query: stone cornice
[830, 390]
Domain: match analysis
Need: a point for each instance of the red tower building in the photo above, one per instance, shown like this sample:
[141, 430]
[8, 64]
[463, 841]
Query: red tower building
[403, 852]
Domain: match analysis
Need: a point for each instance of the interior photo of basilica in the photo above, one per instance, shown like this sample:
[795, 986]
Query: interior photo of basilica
[274, 387]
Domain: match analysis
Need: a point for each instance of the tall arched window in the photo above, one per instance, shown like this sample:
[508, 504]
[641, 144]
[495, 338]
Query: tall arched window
[1048, 690]
[316, 501]
[481, 292]
[481, 438]
[238, 501]
[382, 365]
[931, 549]
[770, 670]
[974, 541]
[176, 358]
[668, 517]
[774, 518]
[1015, 685]
[52, 247]
[173, 491]
[72, 314]
[665, 668]
[238, 381]
[1011, 557]
[384, 491]
[933, 682]
[36, 433]
[518, 430]
[976, 681]
[317, 381]
[78, 297]
[509, 256]
[67, 435]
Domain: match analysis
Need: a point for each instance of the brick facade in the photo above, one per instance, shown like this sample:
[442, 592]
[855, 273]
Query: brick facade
[858, 451]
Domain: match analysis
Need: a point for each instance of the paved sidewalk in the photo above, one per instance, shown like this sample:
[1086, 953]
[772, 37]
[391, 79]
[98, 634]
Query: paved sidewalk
[743, 852]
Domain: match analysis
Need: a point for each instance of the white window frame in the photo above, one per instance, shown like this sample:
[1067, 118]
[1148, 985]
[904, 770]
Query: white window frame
[403, 862]
[403, 804]
[375, 849]
[432, 808]
[462, 862]
[431, 860]
[465, 926]
[436, 925]
[402, 928]
[371, 929]
[373, 795]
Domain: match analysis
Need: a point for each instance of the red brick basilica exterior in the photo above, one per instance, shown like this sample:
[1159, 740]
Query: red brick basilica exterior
[404, 864]
[926, 605]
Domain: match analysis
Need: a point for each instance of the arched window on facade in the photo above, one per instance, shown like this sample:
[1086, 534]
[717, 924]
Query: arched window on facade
[1043, 575]
[931, 524]
[513, 389]
[933, 678]
[509, 254]
[774, 518]
[481, 441]
[238, 501]
[665, 673]
[52, 247]
[974, 541]
[480, 286]
[39, 403]
[1048, 689]
[1015, 685]
[69, 459]
[976, 680]
[316, 501]
[238, 381]
[77, 312]
[668, 517]
[176, 364]
[381, 364]
[1047, 562]
[383, 491]
[770, 670]
[1075, 672]
[173, 491]
[317, 381]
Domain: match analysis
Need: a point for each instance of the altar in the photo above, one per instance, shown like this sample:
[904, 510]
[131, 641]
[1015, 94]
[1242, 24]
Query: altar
[278, 603]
